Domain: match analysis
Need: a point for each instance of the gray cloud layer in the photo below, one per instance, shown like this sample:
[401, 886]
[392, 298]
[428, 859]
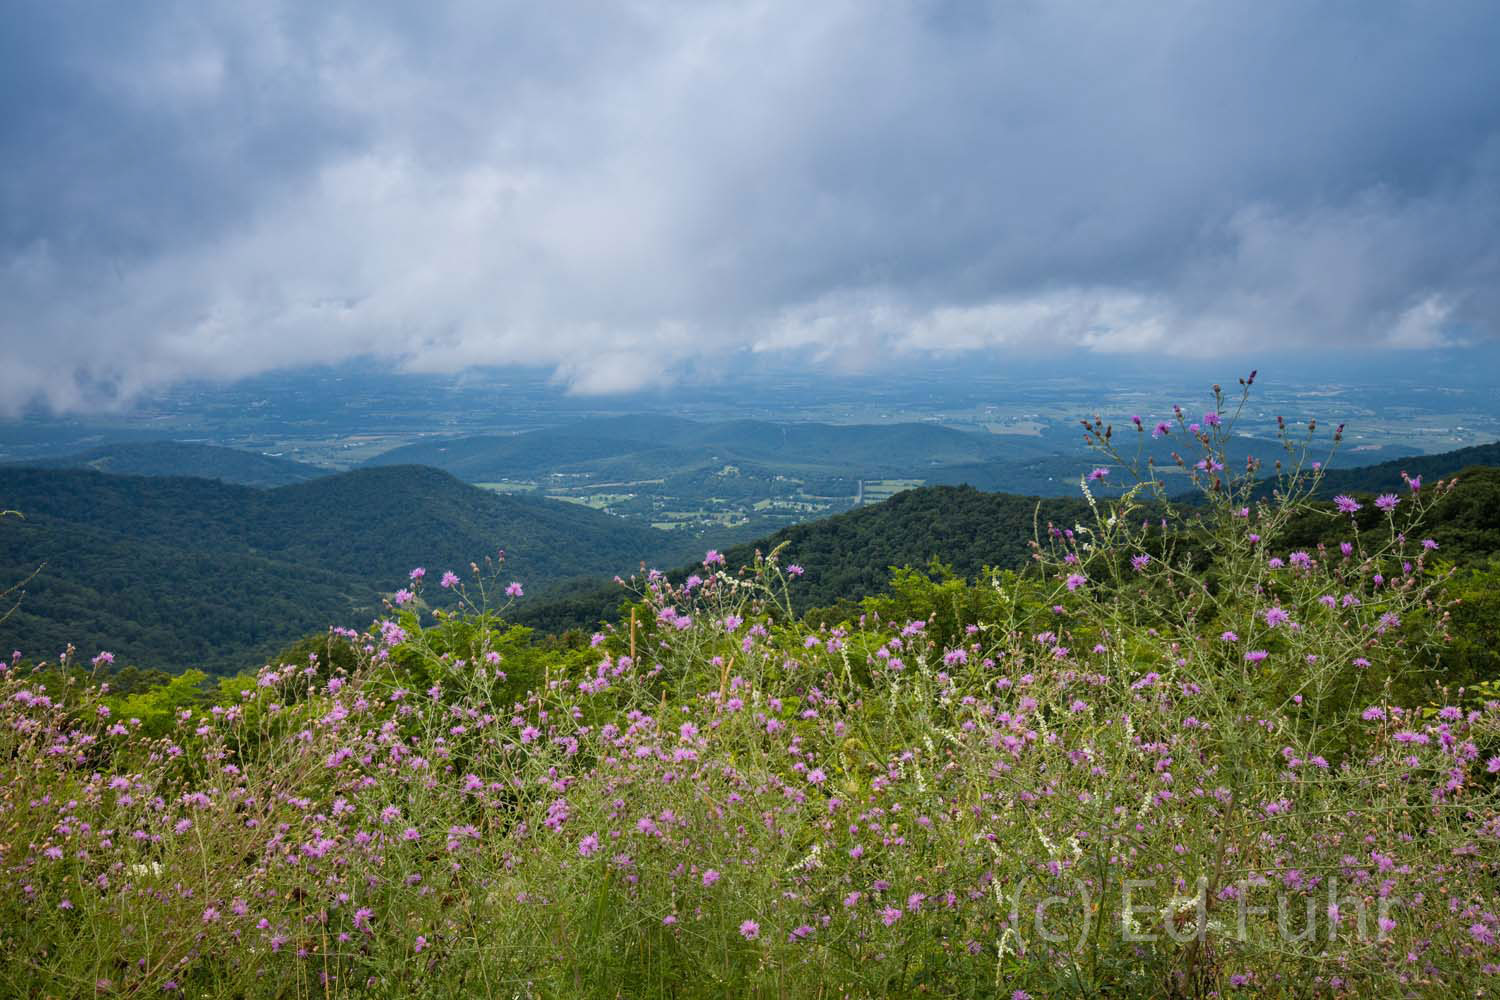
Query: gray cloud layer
[621, 190]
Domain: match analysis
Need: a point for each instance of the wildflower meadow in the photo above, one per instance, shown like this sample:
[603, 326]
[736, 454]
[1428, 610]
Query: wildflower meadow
[1173, 758]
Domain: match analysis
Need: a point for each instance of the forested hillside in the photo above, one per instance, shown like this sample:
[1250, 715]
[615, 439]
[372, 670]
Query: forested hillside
[177, 572]
[1385, 475]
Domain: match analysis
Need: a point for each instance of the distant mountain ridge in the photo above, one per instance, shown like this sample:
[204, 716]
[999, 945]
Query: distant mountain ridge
[183, 458]
[1386, 476]
[656, 442]
[649, 446]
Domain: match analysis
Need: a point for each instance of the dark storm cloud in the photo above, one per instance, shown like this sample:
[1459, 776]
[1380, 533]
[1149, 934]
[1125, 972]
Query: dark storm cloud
[625, 192]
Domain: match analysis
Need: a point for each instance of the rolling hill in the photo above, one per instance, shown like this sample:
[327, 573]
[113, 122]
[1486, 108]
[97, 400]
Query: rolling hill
[651, 444]
[175, 572]
[1383, 476]
[182, 458]
[676, 457]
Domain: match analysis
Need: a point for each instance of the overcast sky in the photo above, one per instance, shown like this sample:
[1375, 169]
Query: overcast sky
[627, 192]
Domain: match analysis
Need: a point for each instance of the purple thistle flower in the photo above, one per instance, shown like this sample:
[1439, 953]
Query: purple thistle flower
[1276, 616]
[1076, 580]
[1140, 562]
[1387, 501]
[418, 573]
[889, 915]
[794, 570]
[749, 930]
[1255, 655]
[1161, 430]
[1346, 504]
[403, 596]
[514, 589]
[362, 919]
[1100, 474]
[449, 579]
